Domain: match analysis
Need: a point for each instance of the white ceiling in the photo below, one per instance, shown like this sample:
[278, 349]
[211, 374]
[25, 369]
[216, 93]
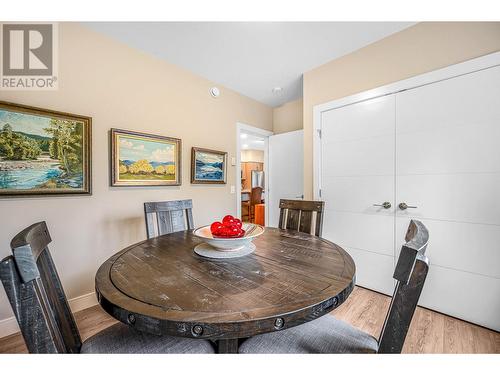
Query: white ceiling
[251, 142]
[250, 57]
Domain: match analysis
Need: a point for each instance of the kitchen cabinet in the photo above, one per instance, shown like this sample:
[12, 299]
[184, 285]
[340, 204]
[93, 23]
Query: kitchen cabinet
[246, 174]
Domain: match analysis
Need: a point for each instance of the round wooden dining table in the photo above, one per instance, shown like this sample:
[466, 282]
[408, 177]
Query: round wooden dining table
[162, 286]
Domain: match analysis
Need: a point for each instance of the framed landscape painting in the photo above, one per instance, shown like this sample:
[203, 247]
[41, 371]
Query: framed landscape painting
[43, 152]
[208, 166]
[139, 159]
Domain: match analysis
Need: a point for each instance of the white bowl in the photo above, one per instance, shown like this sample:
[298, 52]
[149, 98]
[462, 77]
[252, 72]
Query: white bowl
[229, 244]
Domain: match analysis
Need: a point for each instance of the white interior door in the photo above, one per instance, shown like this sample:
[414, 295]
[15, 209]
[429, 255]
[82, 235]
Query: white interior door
[435, 147]
[448, 166]
[357, 171]
[286, 171]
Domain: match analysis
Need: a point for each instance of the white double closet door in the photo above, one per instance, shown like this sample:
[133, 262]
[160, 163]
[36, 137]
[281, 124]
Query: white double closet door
[434, 147]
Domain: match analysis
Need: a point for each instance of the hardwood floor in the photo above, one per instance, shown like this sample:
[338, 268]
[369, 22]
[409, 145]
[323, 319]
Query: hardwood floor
[89, 321]
[430, 332]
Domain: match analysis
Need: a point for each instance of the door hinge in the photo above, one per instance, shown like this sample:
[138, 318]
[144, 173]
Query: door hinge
[320, 193]
[319, 133]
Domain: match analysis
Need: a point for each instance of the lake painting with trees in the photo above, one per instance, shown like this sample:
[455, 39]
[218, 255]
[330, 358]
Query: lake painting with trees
[140, 159]
[43, 152]
[208, 166]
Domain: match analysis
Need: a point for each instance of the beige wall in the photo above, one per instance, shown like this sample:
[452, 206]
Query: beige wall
[256, 156]
[416, 50]
[288, 117]
[124, 88]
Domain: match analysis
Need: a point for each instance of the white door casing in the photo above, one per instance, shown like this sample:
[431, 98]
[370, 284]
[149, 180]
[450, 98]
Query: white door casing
[240, 128]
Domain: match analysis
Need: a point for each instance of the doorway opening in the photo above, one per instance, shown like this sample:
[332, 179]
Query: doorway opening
[252, 154]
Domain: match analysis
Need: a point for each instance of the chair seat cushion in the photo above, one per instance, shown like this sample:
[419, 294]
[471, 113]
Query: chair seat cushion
[323, 335]
[120, 338]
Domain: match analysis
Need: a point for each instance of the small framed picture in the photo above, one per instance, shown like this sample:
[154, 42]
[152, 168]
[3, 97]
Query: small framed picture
[208, 166]
[139, 159]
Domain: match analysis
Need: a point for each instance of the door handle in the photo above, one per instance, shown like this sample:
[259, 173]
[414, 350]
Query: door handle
[300, 196]
[386, 205]
[404, 206]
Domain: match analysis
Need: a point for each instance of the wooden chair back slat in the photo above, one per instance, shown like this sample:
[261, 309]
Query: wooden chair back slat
[189, 219]
[293, 218]
[319, 223]
[256, 196]
[168, 217]
[410, 274]
[58, 303]
[306, 221]
[299, 215]
[36, 294]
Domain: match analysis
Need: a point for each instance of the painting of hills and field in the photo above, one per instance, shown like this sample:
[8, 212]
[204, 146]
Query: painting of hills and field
[144, 159]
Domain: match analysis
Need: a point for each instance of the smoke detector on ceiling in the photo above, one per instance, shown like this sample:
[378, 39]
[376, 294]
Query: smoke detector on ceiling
[277, 90]
[215, 92]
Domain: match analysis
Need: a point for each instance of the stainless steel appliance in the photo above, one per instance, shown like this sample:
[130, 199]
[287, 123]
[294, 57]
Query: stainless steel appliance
[258, 179]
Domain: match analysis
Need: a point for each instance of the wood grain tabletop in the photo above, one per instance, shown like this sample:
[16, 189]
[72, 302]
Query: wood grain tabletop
[161, 286]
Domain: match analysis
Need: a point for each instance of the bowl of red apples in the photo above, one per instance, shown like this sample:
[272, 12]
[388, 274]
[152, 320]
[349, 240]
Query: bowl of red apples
[230, 234]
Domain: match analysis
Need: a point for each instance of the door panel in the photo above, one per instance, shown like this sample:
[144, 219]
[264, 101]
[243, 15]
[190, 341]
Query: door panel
[463, 197]
[357, 171]
[344, 227]
[286, 172]
[435, 147]
[373, 271]
[356, 121]
[465, 295]
[349, 193]
[448, 165]
[468, 100]
[357, 158]
[471, 247]
[470, 148]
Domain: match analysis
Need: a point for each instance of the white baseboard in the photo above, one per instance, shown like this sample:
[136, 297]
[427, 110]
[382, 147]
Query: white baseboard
[83, 302]
[9, 326]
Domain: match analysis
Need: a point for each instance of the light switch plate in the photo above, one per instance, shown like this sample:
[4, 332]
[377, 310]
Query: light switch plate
[233, 161]
[233, 189]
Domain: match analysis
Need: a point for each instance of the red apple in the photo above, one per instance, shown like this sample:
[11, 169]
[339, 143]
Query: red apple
[216, 227]
[228, 219]
[234, 231]
[226, 232]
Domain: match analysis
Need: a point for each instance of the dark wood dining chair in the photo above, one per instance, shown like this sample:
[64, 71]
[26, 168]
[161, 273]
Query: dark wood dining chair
[36, 295]
[298, 215]
[255, 198]
[329, 335]
[168, 217]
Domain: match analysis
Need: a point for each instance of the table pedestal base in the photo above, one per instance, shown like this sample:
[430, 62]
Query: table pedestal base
[227, 346]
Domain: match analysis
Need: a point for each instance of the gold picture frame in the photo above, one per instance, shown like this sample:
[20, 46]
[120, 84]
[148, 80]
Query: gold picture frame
[141, 159]
[208, 166]
[44, 152]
